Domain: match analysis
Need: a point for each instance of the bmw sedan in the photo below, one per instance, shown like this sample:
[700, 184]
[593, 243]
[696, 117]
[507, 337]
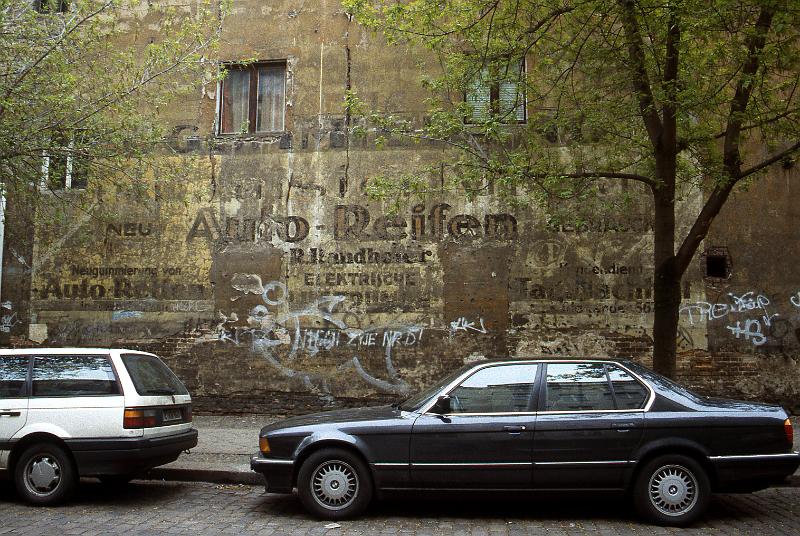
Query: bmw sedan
[535, 425]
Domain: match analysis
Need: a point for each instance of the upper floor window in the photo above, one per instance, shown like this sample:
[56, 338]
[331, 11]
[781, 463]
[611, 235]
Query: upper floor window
[498, 92]
[62, 170]
[253, 98]
[51, 6]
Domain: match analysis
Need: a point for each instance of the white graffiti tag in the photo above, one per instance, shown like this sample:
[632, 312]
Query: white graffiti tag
[750, 332]
[742, 306]
[462, 324]
[279, 334]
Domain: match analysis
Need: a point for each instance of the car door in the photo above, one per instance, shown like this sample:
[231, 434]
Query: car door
[484, 441]
[77, 395]
[590, 422]
[13, 400]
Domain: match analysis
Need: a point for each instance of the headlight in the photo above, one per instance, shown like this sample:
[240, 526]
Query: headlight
[263, 445]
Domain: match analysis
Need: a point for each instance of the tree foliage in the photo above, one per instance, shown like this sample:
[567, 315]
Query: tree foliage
[84, 83]
[670, 94]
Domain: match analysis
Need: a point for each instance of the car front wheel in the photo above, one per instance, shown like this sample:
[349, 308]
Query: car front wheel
[44, 474]
[672, 490]
[334, 484]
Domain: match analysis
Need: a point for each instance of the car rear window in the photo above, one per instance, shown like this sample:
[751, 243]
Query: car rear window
[13, 376]
[73, 375]
[578, 387]
[152, 377]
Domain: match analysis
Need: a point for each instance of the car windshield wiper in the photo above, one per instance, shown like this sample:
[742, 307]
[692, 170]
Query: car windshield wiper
[160, 391]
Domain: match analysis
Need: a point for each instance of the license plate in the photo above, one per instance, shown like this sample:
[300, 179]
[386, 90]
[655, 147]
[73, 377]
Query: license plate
[172, 415]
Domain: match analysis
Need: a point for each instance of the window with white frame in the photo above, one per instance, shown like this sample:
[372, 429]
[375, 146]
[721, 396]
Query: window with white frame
[498, 92]
[63, 170]
[253, 98]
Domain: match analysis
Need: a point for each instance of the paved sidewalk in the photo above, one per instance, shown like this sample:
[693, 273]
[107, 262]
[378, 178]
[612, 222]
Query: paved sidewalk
[222, 455]
[226, 442]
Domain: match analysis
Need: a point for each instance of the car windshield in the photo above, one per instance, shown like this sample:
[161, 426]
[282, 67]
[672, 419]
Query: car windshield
[665, 383]
[415, 402]
[152, 377]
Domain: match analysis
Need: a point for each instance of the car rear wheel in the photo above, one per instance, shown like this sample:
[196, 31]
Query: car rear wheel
[334, 484]
[672, 490]
[44, 474]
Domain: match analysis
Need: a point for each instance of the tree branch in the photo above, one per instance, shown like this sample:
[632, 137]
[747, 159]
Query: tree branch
[639, 77]
[744, 89]
[777, 157]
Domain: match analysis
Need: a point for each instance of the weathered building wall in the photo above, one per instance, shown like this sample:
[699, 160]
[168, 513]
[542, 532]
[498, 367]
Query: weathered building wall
[270, 281]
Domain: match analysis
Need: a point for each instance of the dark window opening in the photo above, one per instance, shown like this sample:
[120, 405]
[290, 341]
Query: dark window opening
[253, 98]
[717, 266]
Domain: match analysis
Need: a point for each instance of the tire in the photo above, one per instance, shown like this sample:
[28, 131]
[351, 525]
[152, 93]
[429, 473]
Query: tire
[334, 484]
[116, 481]
[44, 474]
[672, 491]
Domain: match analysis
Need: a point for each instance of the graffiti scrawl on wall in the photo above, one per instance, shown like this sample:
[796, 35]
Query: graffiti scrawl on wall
[748, 317]
[281, 335]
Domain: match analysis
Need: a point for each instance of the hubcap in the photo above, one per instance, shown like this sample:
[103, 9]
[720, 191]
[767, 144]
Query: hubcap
[42, 474]
[334, 484]
[673, 490]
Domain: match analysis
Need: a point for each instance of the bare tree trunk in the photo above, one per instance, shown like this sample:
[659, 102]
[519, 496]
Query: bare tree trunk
[667, 278]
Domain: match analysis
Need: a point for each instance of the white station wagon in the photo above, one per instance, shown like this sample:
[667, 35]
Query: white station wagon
[72, 412]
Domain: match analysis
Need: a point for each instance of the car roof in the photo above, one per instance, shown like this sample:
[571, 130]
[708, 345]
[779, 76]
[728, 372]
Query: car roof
[66, 351]
[564, 359]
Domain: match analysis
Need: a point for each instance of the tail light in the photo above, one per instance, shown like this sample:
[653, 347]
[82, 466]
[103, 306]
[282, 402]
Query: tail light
[188, 413]
[788, 431]
[139, 418]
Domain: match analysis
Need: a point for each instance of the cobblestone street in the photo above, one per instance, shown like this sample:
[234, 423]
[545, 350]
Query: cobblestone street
[195, 508]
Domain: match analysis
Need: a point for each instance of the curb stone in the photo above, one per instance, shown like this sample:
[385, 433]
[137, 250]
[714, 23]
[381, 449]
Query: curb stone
[213, 476]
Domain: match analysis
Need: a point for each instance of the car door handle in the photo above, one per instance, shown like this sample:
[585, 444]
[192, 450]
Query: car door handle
[5, 413]
[623, 426]
[514, 429]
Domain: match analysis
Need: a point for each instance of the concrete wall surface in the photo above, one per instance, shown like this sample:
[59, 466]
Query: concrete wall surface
[270, 281]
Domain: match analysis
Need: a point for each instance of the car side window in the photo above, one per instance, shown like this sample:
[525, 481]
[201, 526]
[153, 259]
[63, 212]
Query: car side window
[73, 375]
[499, 389]
[629, 393]
[577, 387]
[13, 376]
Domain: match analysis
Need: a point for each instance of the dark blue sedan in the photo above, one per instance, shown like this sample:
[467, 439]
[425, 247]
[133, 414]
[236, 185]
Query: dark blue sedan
[534, 425]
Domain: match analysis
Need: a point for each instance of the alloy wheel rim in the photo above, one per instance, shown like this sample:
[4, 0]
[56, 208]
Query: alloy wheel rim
[42, 475]
[334, 484]
[673, 490]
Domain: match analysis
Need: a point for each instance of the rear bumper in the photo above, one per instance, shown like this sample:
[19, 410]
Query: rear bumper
[128, 456]
[278, 473]
[755, 470]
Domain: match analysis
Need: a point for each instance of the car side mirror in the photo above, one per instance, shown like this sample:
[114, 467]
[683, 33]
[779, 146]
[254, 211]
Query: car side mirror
[442, 405]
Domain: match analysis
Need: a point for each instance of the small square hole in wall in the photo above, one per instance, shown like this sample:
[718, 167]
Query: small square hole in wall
[718, 264]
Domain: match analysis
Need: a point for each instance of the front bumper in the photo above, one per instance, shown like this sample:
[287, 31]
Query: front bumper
[128, 456]
[760, 470]
[278, 474]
